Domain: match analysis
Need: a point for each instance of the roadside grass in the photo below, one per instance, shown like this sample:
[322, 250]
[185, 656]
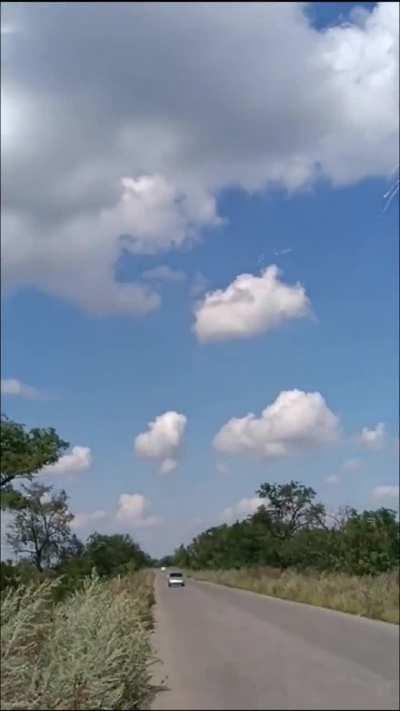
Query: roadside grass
[140, 586]
[91, 651]
[376, 597]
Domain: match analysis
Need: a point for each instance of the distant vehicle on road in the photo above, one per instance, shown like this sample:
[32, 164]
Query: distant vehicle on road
[163, 568]
[175, 580]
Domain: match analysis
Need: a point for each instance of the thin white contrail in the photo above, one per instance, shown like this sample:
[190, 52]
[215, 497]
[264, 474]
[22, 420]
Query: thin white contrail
[393, 190]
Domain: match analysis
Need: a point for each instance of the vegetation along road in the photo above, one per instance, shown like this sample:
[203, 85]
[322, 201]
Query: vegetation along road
[231, 649]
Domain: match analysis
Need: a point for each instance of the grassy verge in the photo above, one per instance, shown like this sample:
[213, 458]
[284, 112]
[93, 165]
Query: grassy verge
[376, 597]
[91, 651]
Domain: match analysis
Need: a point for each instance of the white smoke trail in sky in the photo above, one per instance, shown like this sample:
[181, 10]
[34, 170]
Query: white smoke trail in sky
[393, 190]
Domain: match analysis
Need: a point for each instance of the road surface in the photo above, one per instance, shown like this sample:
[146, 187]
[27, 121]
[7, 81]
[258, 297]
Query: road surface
[232, 649]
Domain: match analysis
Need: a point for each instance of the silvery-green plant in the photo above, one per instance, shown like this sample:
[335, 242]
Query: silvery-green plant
[92, 651]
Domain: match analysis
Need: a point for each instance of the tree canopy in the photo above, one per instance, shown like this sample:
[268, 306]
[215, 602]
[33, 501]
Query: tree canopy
[40, 530]
[113, 554]
[23, 453]
[292, 530]
[290, 508]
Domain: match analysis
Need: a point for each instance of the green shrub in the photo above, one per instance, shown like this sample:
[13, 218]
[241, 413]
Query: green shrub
[91, 651]
[22, 573]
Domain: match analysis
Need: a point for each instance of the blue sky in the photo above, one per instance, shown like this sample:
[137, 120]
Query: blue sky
[102, 372]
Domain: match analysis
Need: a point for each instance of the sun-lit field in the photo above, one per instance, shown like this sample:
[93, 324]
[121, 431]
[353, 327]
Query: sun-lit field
[369, 596]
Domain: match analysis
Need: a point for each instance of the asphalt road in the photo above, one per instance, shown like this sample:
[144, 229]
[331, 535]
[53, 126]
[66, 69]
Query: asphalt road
[231, 649]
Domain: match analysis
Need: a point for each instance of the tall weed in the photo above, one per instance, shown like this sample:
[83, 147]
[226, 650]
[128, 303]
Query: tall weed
[368, 596]
[91, 651]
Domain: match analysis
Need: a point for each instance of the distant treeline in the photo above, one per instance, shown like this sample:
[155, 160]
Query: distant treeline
[293, 531]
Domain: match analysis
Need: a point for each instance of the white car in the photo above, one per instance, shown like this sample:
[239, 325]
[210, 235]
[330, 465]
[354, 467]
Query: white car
[163, 569]
[175, 580]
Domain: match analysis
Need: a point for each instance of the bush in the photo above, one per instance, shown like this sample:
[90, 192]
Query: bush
[22, 573]
[91, 651]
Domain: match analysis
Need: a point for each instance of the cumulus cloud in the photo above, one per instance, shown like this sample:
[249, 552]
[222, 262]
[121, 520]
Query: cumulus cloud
[136, 170]
[163, 440]
[168, 465]
[374, 437]
[79, 460]
[11, 386]
[388, 495]
[164, 273]
[295, 421]
[283, 252]
[353, 464]
[147, 218]
[132, 510]
[83, 520]
[242, 509]
[333, 479]
[249, 305]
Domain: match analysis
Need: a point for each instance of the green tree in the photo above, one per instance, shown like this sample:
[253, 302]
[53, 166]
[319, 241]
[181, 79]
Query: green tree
[181, 557]
[292, 530]
[167, 561]
[290, 508]
[22, 454]
[41, 529]
[369, 542]
[74, 549]
[114, 554]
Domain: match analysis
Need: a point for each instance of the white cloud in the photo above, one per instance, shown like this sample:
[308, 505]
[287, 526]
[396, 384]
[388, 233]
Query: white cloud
[331, 114]
[83, 520]
[333, 479]
[386, 495]
[293, 422]
[146, 219]
[282, 252]
[168, 465]
[374, 437]
[149, 216]
[222, 468]
[349, 465]
[162, 440]
[242, 509]
[353, 464]
[11, 386]
[164, 273]
[79, 460]
[249, 305]
[132, 509]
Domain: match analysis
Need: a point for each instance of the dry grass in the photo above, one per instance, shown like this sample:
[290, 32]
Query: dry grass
[140, 586]
[368, 596]
[92, 651]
